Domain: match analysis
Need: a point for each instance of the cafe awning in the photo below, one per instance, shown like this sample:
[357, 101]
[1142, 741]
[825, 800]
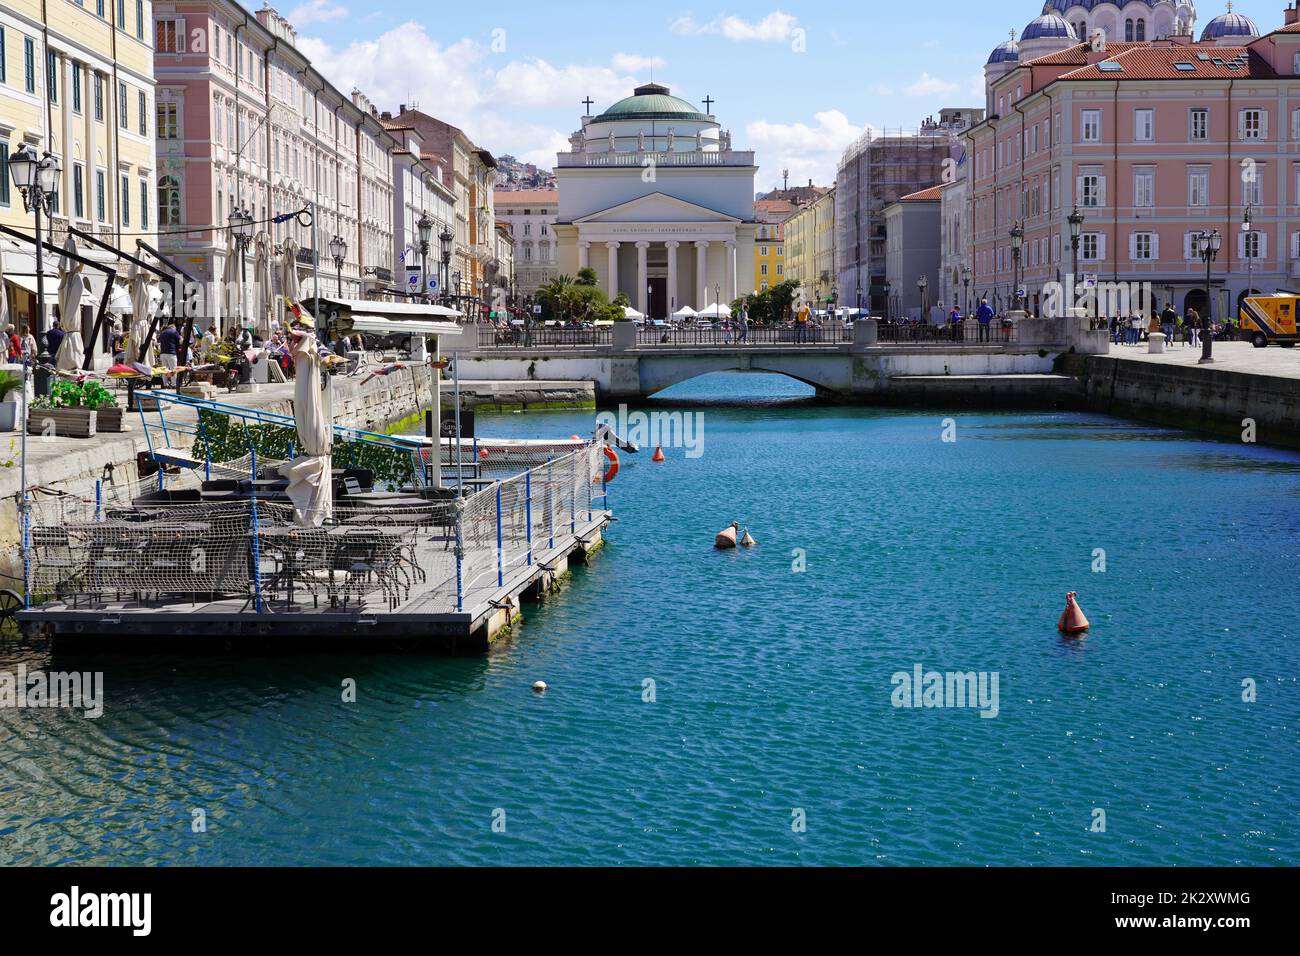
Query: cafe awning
[382, 323]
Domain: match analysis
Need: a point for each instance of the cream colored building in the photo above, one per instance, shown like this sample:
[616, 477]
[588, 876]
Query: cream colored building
[77, 80]
[655, 200]
[810, 248]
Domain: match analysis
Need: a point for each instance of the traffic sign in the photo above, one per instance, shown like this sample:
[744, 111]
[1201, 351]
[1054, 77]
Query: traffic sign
[433, 283]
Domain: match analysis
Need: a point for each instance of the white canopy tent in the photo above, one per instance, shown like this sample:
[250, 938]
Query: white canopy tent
[631, 313]
[685, 312]
[716, 311]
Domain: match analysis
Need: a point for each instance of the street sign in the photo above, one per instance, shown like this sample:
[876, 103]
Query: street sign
[413, 280]
[433, 284]
[537, 310]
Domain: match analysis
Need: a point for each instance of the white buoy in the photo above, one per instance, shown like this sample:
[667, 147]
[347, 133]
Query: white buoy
[539, 686]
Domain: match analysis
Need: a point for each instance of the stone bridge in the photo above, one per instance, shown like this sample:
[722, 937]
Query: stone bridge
[860, 367]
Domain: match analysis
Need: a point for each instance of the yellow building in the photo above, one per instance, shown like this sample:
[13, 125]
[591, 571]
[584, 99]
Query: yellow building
[76, 79]
[810, 248]
[769, 241]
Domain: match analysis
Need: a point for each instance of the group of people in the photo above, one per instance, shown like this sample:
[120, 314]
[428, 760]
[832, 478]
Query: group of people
[21, 344]
[1190, 327]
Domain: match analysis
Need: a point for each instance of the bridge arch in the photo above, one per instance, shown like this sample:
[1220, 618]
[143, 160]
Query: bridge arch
[828, 374]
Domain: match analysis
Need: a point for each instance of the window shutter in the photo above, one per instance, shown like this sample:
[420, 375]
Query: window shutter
[1241, 124]
[1155, 245]
[1078, 190]
[1263, 245]
[1295, 245]
[1101, 245]
[1132, 246]
[1101, 190]
[1241, 245]
[1263, 124]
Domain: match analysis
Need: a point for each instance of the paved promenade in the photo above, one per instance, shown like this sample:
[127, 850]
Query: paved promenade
[1228, 357]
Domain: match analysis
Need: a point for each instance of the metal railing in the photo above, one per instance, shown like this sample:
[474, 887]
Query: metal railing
[517, 336]
[963, 333]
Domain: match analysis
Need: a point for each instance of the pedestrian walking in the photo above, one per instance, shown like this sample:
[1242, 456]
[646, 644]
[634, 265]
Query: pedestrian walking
[1168, 323]
[169, 345]
[53, 339]
[1193, 321]
[744, 324]
[984, 315]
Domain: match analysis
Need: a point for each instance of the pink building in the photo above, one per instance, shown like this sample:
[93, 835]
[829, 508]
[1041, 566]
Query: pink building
[245, 121]
[1153, 142]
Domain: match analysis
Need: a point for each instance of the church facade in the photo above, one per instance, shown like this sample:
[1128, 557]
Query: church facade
[654, 199]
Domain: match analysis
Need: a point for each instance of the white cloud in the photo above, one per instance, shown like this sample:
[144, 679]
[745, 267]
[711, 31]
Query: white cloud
[635, 63]
[536, 83]
[316, 11]
[773, 28]
[928, 85]
[809, 152]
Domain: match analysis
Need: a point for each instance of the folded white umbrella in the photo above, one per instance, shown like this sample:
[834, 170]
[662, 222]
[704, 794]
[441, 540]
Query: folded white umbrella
[262, 296]
[141, 300]
[72, 285]
[288, 277]
[230, 290]
[311, 487]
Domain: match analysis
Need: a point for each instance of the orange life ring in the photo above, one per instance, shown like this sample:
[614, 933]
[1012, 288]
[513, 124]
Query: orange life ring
[613, 464]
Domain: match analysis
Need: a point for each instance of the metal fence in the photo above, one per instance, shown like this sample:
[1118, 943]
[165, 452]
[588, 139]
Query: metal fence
[962, 333]
[670, 336]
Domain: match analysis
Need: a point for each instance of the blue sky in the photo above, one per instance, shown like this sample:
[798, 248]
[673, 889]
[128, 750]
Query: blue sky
[797, 81]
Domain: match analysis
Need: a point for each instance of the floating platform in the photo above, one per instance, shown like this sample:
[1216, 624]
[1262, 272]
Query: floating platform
[422, 623]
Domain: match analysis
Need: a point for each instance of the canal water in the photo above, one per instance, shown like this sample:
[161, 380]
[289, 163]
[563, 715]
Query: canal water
[734, 708]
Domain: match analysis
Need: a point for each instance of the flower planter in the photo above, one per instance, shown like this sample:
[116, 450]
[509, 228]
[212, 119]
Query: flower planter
[109, 418]
[62, 422]
[8, 416]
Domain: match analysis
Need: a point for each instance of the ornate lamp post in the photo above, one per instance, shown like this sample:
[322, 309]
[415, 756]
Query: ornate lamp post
[923, 286]
[1017, 246]
[38, 181]
[424, 228]
[1208, 245]
[1075, 219]
[445, 238]
[339, 251]
[965, 287]
[241, 227]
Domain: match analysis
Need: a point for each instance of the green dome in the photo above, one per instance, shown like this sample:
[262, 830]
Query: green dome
[652, 102]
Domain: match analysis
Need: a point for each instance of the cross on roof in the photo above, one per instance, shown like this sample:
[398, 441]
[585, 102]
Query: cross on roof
[708, 104]
[587, 103]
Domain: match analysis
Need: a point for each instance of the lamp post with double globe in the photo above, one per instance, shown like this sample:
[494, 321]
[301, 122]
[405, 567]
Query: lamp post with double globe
[1017, 246]
[1208, 245]
[965, 287]
[38, 181]
[339, 252]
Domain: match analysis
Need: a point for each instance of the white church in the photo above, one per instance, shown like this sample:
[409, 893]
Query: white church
[655, 200]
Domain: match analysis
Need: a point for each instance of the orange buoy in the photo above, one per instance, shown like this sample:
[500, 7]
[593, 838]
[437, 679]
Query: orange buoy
[483, 453]
[659, 453]
[727, 536]
[1072, 619]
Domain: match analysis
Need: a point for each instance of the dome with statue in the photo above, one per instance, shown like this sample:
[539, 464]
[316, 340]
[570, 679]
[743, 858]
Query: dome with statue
[1230, 27]
[651, 120]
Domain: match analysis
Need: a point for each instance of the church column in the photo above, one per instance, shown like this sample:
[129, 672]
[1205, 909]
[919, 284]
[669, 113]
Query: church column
[611, 283]
[672, 304]
[730, 287]
[642, 278]
[702, 272]
[584, 255]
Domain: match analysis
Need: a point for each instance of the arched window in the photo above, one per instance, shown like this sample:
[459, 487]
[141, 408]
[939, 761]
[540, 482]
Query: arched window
[169, 201]
[1141, 33]
[1081, 28]
[1128, 31]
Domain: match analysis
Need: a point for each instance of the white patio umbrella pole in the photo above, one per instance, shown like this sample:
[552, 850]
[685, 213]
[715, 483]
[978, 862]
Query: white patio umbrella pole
[460, 477]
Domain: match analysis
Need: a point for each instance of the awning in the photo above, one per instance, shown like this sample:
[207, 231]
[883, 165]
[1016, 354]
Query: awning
[369, 307]
[383, 323]
[28, 282]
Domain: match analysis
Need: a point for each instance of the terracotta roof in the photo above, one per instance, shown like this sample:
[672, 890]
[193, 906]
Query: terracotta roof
[1148, 62]
[933, 194]
[1289, 28]
[1077, 55]
[518, 197]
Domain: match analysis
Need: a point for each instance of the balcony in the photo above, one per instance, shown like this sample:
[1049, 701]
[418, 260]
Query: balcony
[606, 159]
[305, 256]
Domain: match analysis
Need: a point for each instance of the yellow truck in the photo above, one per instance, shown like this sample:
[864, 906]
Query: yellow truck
[1270, 318]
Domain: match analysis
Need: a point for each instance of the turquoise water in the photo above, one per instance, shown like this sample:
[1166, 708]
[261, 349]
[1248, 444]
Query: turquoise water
[772, 689]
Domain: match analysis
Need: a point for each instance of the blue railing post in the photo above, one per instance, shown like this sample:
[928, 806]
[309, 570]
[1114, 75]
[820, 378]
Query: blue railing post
[550, 506]
[99, 497]
[501, 577]
[207, 449]
[257, 551]
[573, 494]
[460, 594]
[528, 512]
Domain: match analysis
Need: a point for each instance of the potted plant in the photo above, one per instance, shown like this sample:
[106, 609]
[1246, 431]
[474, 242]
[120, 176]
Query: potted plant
[63, 414]
[108, 414]
[9, 384]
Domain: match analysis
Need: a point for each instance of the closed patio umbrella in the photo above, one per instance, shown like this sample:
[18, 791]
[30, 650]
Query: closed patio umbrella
[310, 477]
[4, 295]
[262, 295]
[230, 290]
[141, 300]
[288, 278]
[72, 285]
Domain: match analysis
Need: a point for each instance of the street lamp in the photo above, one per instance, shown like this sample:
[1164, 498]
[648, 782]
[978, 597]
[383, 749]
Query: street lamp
[424, 227]
[1247, 225]
[241, 227]
[339, 250]
[38, 181]
[1208, 245]
[445, 237]
[888, 304]
[1017, 243]
[1075, 219]
[649, 300]
[965, 287]
[923, 286]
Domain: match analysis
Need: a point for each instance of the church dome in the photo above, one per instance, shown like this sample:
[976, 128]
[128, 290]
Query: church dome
[1230, 25]
[1049, 25]
[651, 102]
[1005, 52]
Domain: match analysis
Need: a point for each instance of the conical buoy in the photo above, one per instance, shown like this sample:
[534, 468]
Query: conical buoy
[727, 536]
[746, 541]
[659, 453]
[539, 686]
[1072, 619]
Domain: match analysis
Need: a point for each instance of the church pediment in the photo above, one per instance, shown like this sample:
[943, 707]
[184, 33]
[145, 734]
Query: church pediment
[657, 207]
